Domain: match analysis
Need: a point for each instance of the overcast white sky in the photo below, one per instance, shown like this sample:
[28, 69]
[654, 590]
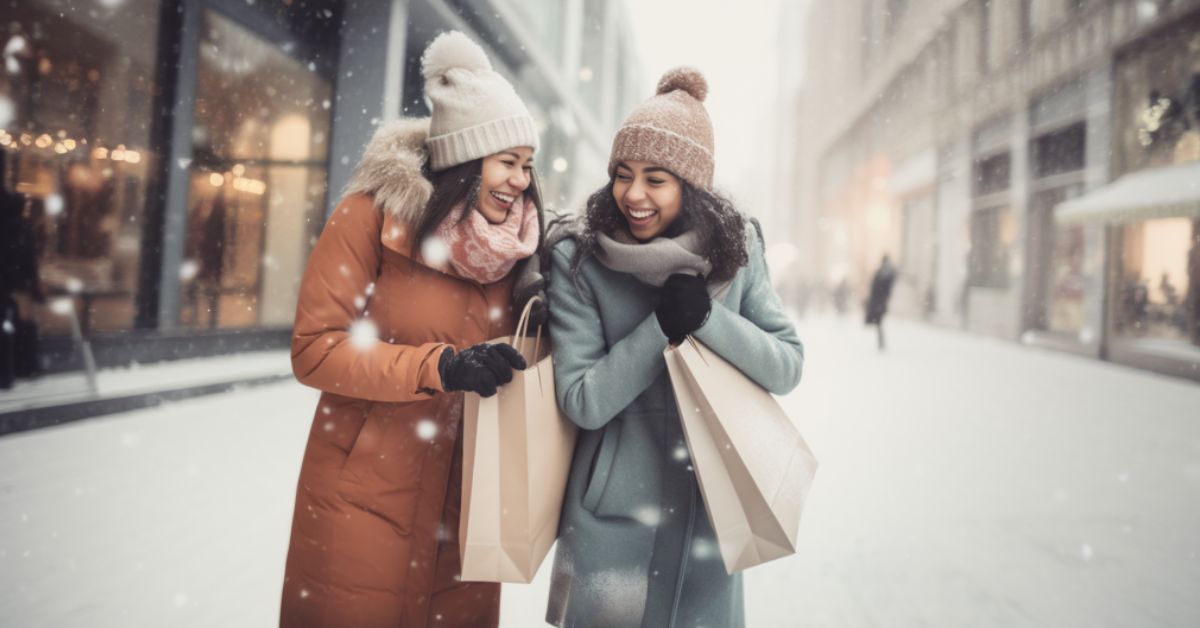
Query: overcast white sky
[735, 45]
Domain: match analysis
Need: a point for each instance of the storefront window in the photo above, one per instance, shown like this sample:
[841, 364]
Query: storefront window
[1059, 151]
[1067, 279]
[1160, 270]
[258, 179]
[993, 233]
[993, 174]
[76, 98]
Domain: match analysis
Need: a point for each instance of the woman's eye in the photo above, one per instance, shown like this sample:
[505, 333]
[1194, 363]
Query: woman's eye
[656, 181]
[622, 177]
[510, 164]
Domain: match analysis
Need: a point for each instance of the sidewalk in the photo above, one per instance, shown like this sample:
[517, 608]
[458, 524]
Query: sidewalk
[963, 482]
[61, 398]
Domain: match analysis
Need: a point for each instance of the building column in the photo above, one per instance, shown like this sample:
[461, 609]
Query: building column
[1024, 223]
[369, 83]
[1098, 89]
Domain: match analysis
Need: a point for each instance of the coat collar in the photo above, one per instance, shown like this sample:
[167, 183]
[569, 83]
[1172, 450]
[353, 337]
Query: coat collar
[390, 171]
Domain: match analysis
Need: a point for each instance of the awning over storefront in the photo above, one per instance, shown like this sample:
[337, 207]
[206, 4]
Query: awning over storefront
[1166, 192]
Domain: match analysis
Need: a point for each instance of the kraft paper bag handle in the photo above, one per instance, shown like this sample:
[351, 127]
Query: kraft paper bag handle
[520, 336]
[523, 326]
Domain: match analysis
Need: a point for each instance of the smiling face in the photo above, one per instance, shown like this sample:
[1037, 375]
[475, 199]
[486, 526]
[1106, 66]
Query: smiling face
[648, 196]
[503, 177]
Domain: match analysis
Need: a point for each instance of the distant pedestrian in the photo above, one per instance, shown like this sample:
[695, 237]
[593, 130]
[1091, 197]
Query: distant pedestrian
[881, 292]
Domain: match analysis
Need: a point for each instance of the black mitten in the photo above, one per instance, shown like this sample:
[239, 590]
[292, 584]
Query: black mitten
[683, 306]
[479, 369]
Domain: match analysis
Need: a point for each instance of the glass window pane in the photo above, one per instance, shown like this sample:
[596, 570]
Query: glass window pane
[1159, 262]
[76, 96]
[258, 179]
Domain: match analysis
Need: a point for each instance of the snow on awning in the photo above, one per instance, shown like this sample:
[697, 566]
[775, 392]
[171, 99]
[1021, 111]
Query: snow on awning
[1166, 192]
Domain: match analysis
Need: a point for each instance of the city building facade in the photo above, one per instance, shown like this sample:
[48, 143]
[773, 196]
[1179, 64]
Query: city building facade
[985, 145]
[177, 159]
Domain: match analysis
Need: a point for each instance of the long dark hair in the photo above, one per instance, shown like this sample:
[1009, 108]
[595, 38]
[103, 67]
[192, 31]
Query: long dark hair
[720, 226]
[459, 185]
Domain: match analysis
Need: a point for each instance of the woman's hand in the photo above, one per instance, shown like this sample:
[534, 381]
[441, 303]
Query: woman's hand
[683, 306]
[479, 369]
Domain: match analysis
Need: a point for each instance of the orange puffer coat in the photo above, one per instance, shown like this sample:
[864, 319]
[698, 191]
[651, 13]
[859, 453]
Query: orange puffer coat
[375, 531]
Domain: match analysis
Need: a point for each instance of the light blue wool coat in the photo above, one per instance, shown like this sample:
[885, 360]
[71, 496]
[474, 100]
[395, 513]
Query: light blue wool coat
[635, 546]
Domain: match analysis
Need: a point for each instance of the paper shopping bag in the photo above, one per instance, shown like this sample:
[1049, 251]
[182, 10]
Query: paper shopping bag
[753, 467]
[517, 450]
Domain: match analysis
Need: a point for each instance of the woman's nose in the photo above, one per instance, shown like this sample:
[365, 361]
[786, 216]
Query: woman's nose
[519, 181]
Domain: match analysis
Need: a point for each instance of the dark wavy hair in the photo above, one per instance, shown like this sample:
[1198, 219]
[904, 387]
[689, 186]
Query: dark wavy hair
[460, 185]
[721, 227]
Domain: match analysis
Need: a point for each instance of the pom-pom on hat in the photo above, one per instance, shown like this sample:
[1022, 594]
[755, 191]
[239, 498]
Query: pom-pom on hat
[672, 129]
[476, 112]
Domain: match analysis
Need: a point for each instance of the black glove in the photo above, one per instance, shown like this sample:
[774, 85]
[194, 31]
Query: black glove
[683, 306]
[479, 369]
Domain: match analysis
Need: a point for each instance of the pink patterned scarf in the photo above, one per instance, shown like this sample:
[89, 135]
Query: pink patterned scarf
[483, 252]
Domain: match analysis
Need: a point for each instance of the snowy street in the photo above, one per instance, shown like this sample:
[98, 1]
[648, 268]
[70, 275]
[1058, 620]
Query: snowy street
[963, 482]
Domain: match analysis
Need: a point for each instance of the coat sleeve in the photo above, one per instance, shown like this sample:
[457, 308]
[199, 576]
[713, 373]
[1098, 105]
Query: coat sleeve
[758, 339]
[334, 293]
[594, 381]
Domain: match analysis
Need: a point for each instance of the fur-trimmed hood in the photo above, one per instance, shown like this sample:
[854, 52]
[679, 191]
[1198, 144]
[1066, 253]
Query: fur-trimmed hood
[390, 169]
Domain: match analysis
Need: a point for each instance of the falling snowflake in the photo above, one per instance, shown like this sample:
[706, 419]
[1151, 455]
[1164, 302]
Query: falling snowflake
[63, 306]
[180, 600]
[680, 454]
[188, 270]
[495, 314]
[426, 429]
[702, 549]
[53, 205]
[435, 251]
[648, 516]
[363, 334]
[1087, 552]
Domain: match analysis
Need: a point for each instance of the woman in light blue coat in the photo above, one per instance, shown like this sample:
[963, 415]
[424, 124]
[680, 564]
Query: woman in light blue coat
[657, 256]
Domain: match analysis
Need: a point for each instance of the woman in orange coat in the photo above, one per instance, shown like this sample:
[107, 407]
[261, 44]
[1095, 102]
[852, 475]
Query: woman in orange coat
[414, 271]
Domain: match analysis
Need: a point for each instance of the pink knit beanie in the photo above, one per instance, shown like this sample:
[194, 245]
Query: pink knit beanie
[671, 129]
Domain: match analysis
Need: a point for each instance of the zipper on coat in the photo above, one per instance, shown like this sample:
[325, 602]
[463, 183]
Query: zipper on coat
[687, 549]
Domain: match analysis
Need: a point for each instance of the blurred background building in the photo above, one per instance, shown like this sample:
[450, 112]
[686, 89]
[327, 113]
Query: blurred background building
[176, 159]
[1032, 165]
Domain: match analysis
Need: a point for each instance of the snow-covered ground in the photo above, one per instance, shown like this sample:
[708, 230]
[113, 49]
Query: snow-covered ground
[964, 482]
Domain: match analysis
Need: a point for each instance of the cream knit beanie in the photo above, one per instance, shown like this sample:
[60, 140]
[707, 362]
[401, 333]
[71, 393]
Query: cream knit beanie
[476, 112]
[671, 129]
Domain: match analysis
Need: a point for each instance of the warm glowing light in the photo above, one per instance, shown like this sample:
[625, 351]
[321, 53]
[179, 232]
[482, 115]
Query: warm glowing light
[100, 152]
[239, 170]
[216, 179]
[43, 141]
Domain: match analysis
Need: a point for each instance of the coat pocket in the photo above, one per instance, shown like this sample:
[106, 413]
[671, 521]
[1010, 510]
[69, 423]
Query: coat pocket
[363, 450]
[382, 473]
[627, 480]
[601, 466]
